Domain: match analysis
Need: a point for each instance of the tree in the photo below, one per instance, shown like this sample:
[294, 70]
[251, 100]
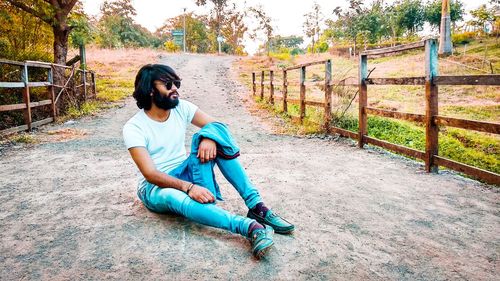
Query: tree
[233, 29]
[22, 36]
[286, 41]
[312, 22]
[83, 31]
[410, 15]
[197, 40]
[445, 47]
[264, 25]
[346, 26]
[483, 15]
[433, 12]
[357, 23]
[55, 14]
[218, 10]
[117, 27]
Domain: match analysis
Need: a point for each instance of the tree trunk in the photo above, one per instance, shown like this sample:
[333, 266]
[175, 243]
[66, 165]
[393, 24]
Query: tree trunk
[445, 45]
[61, 35]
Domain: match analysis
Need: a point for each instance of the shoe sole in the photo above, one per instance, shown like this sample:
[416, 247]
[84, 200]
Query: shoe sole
[260, 254]
[288, 231]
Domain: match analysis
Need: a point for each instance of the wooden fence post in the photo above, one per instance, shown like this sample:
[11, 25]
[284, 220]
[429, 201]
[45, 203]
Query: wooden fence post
[271, 87]
[285, 91]
[94, 87]
[302, 93]
[253, 84]
[84, 82]
[328, 95]
[262, 85]
[52, 94]
[26, 97]
[363, 99]
[431, 105]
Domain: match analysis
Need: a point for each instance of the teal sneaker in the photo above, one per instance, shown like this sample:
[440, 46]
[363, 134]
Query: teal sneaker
[262, 241]
[279, 224]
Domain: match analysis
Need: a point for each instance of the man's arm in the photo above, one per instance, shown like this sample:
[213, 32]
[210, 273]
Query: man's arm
[208, 148]
[145, 164]
[200, 119]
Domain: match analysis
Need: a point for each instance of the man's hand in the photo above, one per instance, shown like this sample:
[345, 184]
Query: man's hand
[201, 194]
[207, 150]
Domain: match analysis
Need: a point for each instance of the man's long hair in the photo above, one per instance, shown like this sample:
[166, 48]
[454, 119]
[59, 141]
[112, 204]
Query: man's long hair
[144, 82]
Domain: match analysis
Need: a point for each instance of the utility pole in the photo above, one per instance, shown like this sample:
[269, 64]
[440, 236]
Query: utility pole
[445, 29]
[184, 24]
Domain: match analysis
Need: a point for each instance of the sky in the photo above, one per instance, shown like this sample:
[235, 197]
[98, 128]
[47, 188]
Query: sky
[287, 15]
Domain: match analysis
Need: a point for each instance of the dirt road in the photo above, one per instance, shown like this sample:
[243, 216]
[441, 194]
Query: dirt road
[69, 210]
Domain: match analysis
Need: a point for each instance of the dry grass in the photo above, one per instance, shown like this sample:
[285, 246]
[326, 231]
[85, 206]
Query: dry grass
[119, 63]
[115, 73]
[401, 98]
[61, 135]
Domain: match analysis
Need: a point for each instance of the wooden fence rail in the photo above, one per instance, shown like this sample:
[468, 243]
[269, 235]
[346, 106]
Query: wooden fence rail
[26, 85]
[431, 119]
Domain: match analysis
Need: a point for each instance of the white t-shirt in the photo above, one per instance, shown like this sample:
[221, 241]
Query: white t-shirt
[165, 141]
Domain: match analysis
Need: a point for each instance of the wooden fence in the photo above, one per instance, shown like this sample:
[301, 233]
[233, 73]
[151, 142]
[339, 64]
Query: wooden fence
[54, 91]
[431, 119]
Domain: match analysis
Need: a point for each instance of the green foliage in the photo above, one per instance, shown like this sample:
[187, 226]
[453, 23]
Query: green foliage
[291, 42]
[116, 27]
[22, 36]
[82, 32]
[197, 40]
[483, 15]
[321, 47]
[433, 12]
[410, 14]
[227, 22]
[362, 24]
[296, 51]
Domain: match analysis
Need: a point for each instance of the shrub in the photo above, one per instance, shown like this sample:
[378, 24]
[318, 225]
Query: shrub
[170, 46]
[321, 47]
[463, 38]
[280, 56]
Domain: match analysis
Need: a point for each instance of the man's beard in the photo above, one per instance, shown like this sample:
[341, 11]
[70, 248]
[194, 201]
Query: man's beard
[165, 102]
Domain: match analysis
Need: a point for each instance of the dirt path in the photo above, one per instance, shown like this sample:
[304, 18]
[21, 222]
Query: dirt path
[69, 210]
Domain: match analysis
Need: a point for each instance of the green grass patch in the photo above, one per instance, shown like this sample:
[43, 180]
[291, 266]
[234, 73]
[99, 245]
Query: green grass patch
[475, 149]
[483, 112]
[23, 138]
[87, 108]
[113, 89]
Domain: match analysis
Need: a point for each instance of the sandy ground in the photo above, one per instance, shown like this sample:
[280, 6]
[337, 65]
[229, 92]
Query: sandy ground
[69, 209]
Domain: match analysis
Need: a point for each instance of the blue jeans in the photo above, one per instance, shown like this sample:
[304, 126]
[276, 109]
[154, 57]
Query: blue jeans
[165, 200]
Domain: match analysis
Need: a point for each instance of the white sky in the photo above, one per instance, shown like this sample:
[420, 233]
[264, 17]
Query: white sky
[287, 15]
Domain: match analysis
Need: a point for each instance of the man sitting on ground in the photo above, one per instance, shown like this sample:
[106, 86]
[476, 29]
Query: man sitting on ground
[174, 182]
